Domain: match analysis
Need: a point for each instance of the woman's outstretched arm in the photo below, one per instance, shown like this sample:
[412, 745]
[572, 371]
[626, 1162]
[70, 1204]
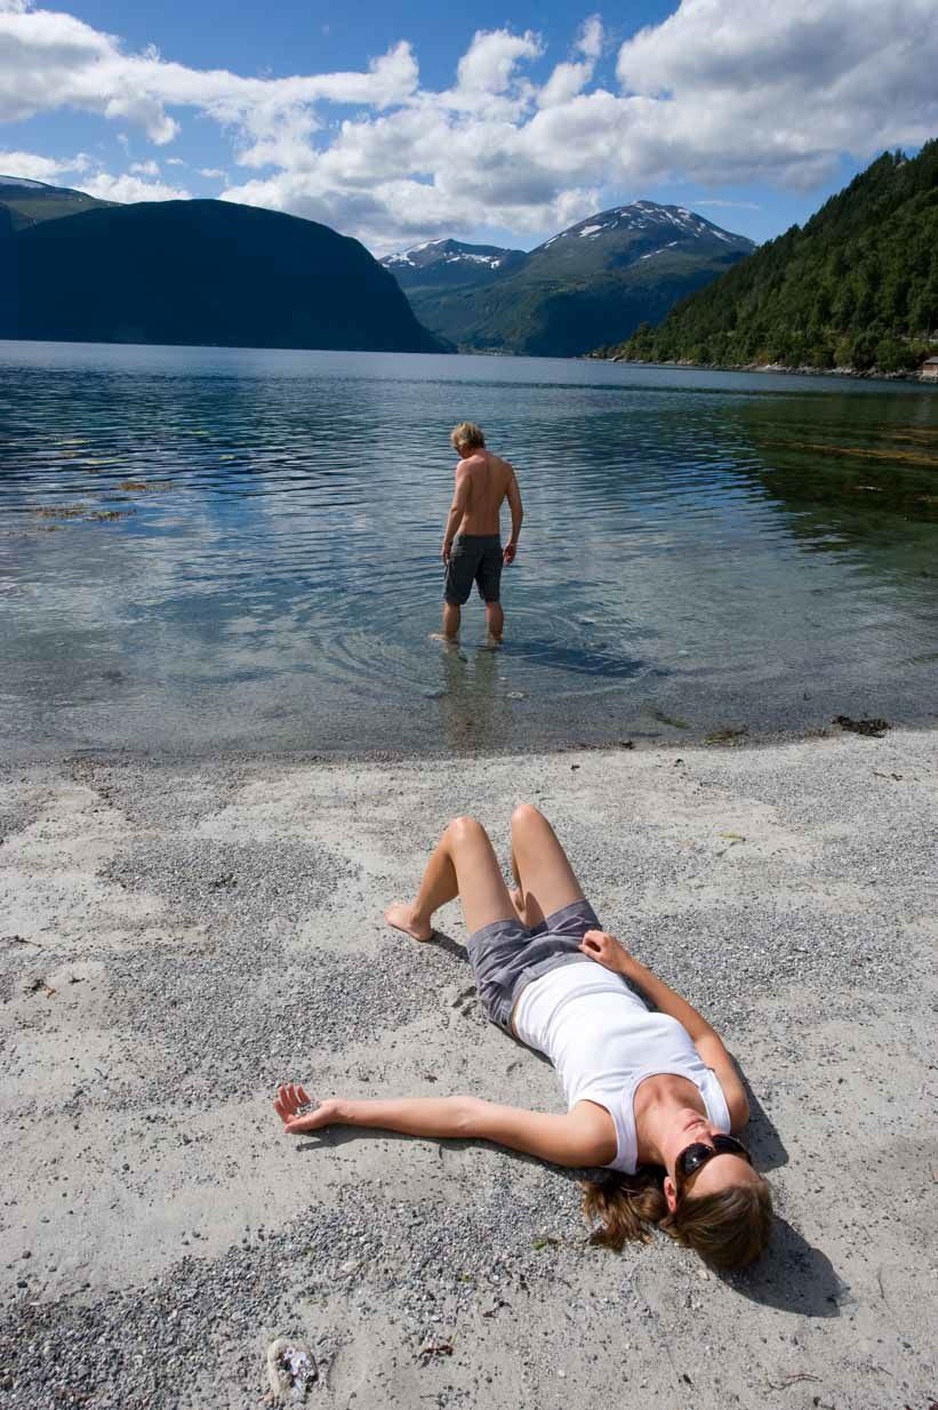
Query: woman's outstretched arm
[584, 1136]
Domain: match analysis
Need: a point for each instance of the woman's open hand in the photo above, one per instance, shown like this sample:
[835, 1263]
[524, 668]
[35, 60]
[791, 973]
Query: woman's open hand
[289, 1103]
[606, 950]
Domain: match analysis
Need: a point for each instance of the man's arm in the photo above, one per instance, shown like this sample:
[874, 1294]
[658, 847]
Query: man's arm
[457, 510]
[517, 514]
[610, 952]
[583, 1136]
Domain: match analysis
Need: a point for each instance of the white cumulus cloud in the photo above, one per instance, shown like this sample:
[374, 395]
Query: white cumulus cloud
[50, 60]
[128, 187]
[570, 78]
[590, 39]
[35, 167]
[490, 61]
[89, 175]
[780, 92]
[721, 92]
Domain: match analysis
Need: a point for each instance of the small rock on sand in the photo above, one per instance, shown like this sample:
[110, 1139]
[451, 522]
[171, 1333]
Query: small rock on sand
[291, 1369]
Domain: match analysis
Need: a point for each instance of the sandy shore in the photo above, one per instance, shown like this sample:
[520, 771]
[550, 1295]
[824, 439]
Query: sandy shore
[175, 939]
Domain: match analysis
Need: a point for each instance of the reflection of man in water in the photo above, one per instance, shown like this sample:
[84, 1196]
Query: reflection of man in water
[472, 549]
[475, 708]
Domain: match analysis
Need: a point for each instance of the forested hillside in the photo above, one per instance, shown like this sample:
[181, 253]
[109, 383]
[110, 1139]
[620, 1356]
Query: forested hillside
[857, 286]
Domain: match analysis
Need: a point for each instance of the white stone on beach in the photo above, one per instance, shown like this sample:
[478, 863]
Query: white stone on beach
[291, 1369]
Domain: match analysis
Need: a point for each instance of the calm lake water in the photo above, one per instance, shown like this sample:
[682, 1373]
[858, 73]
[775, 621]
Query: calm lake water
[222, 549]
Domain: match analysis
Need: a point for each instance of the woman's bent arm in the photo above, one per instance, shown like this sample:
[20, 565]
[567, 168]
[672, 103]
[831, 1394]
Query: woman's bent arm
[608, 951]
[583, 1136]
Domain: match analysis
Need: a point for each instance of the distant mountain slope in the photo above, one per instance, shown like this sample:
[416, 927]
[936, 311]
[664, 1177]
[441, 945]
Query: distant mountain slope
[610, 271]
[30, 202]
[856, 287]
[447, 264]
[200, 272]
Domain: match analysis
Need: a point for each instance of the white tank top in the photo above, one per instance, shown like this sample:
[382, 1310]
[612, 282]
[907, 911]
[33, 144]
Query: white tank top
[603, 1042]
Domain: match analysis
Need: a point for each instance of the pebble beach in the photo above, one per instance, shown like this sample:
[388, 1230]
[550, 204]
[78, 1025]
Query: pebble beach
[178, 936]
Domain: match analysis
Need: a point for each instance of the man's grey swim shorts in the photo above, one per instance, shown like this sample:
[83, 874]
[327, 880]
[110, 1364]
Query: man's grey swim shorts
[506, 956]
[474, 558]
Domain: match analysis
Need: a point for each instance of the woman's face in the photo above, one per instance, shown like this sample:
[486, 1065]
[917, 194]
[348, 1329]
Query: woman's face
[719, 1172]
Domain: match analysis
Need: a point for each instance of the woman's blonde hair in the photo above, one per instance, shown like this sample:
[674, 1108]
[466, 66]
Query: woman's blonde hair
[728, 1228]
[467, 436]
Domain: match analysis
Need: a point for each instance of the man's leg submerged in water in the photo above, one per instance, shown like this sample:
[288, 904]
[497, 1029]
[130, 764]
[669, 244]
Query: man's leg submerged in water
[452, 616]
[462, 864]
[489, 579]
[495, 620]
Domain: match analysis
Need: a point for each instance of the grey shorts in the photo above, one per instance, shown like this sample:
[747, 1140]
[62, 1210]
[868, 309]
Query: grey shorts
[506, 956]
[475, 558]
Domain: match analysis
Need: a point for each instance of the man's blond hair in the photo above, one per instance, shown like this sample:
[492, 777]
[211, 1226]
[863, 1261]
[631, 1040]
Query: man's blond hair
[467, 436]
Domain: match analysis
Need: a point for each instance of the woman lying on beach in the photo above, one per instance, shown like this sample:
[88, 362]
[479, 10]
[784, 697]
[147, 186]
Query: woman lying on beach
[652, 1092]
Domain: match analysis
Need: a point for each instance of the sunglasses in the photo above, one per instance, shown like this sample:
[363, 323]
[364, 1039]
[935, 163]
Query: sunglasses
[691, 1158]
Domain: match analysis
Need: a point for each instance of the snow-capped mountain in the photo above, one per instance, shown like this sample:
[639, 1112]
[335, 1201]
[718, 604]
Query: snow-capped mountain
[22, 181]
[26, 202]
[647, 218]
[611, 271]
[449, 263]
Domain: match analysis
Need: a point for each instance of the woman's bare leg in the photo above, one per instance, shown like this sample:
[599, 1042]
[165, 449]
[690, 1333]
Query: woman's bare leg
[546, 880]
[462, 864]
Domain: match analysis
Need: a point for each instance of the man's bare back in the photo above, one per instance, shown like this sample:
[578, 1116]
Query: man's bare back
[488, 479]
[472, 548]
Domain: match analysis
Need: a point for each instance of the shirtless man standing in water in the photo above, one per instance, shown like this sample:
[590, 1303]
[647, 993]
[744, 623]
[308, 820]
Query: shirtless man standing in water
[472, 549]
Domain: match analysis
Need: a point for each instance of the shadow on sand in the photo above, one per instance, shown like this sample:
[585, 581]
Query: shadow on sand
[761, 1136]
[792, 1276]
[454, 948]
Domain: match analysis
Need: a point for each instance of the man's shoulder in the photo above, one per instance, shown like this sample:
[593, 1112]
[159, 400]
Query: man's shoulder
[485, 460]
[473, 462]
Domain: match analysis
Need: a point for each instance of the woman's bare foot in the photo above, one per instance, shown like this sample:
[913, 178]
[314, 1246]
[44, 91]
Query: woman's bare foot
[401, 916]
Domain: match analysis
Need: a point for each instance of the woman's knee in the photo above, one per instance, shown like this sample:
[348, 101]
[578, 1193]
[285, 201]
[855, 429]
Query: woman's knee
[464, 829]
[525, 817]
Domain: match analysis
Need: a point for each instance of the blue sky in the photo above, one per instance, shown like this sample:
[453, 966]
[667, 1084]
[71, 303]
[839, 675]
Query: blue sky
[401, 123]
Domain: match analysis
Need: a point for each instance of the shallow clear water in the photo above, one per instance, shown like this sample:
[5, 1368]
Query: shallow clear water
[701, 551]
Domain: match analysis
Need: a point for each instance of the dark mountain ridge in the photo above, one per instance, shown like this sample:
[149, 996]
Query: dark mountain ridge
[29, 202]
[200, 272]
